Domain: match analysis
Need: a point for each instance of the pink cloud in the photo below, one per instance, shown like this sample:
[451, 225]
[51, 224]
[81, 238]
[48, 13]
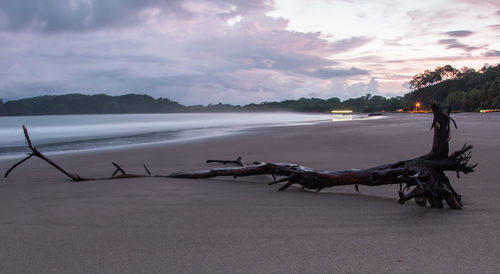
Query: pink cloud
[492, 3]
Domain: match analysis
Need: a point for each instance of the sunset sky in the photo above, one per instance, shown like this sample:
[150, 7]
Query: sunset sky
[237, 51]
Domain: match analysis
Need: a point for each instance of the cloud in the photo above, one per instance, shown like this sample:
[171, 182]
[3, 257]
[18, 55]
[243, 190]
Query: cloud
[343, 90]
[459, 33]
[495, 27]
[327, 73]
[492, 53]
[493, 3]
[256, 59]
[395, 42]
[426, 19]
[453, 43]
[52, 16]
[206, 51]
[97, 57]
[349, 43]
[80, 15]
[244, 8]
[282, 61]
[283, 52]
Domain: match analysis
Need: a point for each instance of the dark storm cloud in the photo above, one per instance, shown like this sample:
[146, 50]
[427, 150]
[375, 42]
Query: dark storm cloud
[459, 33]
[350, 43]
[327, 73]
[78, 15]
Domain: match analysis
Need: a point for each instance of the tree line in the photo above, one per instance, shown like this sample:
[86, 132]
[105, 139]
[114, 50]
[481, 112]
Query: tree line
[134, 103]
[464, 89]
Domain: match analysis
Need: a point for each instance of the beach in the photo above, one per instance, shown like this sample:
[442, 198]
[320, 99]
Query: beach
[49, 224]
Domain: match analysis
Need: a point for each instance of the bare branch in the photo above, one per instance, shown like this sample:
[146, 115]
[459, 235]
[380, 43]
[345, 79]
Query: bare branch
[16, 164]
[118, 168]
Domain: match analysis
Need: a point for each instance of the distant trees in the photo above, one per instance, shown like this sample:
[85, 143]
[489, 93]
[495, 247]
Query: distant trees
[133, 103]
[366, 103]
[302, 104]
[89, 104]
[369, 103]
[464, 90]
[2, 108]
[485, 96]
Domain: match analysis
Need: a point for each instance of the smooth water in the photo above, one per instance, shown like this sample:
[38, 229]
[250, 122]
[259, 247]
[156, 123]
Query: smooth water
[58, 133]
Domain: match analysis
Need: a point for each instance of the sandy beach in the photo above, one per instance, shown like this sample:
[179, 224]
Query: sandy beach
[49, 224]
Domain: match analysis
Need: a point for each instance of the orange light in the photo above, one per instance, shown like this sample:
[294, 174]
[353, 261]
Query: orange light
[417, 104]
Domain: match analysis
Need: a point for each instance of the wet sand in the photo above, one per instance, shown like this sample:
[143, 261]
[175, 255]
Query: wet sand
[51, 225]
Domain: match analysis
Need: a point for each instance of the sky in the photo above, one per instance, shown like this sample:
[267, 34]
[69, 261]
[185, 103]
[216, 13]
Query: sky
[238, 51]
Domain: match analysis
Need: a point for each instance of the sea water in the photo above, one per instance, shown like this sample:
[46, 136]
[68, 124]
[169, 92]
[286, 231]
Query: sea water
[62, 133]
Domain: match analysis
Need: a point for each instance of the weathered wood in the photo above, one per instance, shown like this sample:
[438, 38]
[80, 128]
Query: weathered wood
[423, 177]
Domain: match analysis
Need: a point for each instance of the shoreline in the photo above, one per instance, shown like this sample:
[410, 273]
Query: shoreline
[191, 134]
[242, 225]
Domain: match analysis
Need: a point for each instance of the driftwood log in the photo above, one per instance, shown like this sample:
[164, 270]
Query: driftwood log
[423, 178]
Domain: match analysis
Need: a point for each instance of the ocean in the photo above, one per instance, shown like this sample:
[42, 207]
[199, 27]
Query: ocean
[69, 133]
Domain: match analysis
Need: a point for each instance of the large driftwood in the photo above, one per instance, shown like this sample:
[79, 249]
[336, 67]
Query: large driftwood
[423, 178]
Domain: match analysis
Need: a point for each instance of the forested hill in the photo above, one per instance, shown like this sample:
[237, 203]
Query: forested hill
[464, 89]
[88, 104]
[133, 103]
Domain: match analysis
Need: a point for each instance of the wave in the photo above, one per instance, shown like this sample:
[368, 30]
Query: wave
[57, 133]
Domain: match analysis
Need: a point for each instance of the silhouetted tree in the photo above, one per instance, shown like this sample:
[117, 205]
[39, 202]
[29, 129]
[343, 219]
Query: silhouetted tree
[2, 108]
[429, 77]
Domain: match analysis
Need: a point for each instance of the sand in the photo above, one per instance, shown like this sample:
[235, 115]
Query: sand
[51, 225]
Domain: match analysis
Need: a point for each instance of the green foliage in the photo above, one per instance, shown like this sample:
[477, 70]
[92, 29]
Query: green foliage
[302, 104]
[133, 103]
[89, 104]
[469, 90]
